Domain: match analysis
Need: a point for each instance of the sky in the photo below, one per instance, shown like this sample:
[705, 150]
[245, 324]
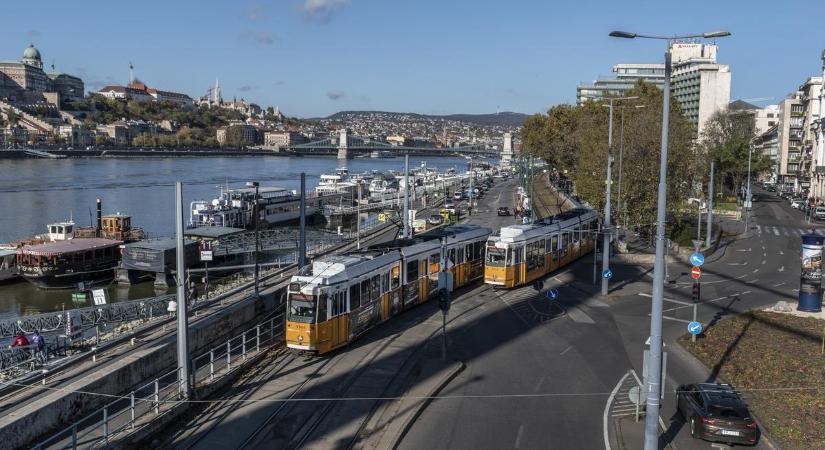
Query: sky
[312, 58]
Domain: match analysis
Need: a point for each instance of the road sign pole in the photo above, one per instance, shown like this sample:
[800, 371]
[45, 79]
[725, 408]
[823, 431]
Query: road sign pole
[693, 336]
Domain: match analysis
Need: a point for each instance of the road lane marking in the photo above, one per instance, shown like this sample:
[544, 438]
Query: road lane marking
[756, 270]
[518, 436]
[763, 261]
[781, 252]
[566, 350]
[775, 231]
[801, 231]
[607, 411]
[645, 294]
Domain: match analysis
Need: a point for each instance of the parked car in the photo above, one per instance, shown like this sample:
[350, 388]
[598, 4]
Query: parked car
[435, 219]
[716, 412]
[457, 195]
[504, 211]
[449, 204]
[819, 213]
[797, 204]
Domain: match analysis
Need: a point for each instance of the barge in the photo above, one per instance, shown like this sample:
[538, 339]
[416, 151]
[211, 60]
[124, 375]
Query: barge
[63, 264]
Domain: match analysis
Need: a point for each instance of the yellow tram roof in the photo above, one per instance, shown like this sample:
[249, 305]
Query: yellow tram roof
[334, 269]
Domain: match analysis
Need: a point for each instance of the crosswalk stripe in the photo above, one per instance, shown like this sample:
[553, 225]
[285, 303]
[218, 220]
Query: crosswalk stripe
[801, 231]
[775, 231]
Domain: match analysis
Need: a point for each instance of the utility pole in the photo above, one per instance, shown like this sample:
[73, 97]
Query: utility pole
[406, 209]
[256, 217]
[607, 197]
[183, 319]
[710, 206]
[302, 230]
[358, 222]
[654, 379]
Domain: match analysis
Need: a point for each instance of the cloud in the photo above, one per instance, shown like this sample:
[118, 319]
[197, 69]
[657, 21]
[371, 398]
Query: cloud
[261, 37]
[335, 95]
[247, 88]
[322, 10]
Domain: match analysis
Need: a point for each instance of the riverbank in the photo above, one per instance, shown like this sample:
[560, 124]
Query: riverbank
[141, 153]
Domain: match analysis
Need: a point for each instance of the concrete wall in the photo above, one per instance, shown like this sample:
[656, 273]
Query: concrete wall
[52, 413]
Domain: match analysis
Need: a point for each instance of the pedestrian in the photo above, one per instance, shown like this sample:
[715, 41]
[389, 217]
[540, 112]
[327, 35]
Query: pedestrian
[39, 344]
[20, 340]
[172, 308]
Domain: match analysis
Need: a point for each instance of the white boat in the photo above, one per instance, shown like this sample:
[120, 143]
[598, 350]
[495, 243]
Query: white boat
[381, 154]
[233, 208]
[8, 264]
[340, 183]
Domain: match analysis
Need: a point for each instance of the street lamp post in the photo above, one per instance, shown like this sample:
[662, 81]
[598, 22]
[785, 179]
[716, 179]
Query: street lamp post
[747, 202]
[256, 218]
[653, 381]
[607, 199]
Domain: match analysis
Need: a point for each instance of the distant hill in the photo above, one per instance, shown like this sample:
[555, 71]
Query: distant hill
[507, 118]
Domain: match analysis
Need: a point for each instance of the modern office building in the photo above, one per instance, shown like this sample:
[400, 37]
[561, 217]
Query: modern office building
[789, 140]
[700, 85]
[626, 77]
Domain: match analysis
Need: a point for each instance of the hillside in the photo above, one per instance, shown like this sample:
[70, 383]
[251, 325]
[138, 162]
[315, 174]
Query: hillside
[505, 119]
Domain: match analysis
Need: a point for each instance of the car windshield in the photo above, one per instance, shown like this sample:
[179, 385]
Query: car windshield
[724, 412]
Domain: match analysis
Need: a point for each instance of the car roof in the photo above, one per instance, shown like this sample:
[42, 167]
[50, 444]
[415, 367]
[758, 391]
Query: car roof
[722, 395]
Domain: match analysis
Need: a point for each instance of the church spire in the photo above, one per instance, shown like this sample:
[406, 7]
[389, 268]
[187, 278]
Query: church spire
[217, 92]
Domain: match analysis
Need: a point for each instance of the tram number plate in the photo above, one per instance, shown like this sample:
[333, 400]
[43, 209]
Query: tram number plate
[729, 433]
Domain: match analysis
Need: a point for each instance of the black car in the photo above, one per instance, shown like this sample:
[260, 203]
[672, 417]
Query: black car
[504, 211]
[716, 412]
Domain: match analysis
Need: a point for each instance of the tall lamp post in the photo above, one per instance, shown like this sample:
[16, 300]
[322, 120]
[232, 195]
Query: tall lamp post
[654, 378]
[607, 199]
[256, 217]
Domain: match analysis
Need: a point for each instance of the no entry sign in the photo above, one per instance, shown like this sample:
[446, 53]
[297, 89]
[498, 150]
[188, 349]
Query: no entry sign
[695, 272]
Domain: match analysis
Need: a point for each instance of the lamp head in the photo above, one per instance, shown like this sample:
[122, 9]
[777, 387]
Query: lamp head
[716, 34]
[622, 34]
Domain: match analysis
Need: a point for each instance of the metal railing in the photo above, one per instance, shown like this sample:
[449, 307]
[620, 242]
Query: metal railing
[127, 413]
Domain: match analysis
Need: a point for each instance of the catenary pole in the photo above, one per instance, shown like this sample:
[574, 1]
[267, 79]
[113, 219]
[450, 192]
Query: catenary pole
[654, 378]
[302, 225]
[180, 270]
[406, 209]
[710, 206]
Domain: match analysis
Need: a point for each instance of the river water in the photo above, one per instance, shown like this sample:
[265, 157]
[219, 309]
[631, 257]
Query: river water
[34, 192]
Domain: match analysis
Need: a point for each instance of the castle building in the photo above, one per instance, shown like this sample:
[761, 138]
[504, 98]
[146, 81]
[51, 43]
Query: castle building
[26, 81]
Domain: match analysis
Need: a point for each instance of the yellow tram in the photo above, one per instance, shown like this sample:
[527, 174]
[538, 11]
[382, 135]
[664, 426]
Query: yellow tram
[339, 297]
[523, 253]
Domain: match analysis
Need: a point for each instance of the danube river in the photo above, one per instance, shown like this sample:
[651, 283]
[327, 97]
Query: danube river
[34, 192]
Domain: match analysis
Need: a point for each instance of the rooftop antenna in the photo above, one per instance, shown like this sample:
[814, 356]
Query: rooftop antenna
[52, 64]
[131, 73]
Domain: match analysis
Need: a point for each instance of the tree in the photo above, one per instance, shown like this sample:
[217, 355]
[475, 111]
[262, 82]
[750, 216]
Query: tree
[575, 138]
[101, 139]
[727, 139]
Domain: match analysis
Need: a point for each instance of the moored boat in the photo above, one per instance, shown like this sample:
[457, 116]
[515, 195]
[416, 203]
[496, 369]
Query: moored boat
[63, 264]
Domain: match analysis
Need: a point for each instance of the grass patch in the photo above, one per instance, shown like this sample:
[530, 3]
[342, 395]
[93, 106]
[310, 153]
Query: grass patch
[726, 206]
[766, 355]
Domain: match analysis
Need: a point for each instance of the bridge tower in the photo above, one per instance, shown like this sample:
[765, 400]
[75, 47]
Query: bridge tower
[507, 152]
[343, 152]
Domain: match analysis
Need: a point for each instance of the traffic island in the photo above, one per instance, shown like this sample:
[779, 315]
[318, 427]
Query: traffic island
[776, 361]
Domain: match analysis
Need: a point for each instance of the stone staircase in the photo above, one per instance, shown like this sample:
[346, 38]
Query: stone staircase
[25, 119]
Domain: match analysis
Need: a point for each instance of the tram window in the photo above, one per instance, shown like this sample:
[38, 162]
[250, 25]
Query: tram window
[354, 296]
[478, 250]
[412, 271]
[460, 255]
[468, 252]
[375, 287]
[576, 234]
[554, 245]
[385, 282]
[435, 258]
[535, 255]
[495, 256]
[365, 291]
[322, 307]
[395, 277]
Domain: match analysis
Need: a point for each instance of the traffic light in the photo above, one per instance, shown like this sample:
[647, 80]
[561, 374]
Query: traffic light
[696, 291]
[444, 300]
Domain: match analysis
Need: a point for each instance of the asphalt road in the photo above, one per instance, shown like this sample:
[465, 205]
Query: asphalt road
[541, 381]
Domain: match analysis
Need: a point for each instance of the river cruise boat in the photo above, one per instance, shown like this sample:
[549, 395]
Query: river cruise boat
[234, 207]
[342, 184]
[8, 264]
[381, 154]
[63, 264]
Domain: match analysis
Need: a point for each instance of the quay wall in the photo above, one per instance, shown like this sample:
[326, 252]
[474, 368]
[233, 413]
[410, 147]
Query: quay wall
[53, 412]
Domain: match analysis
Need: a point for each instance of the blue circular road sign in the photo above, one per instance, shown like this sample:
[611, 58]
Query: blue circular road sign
[552, 294]
[607, 273]
[697, 259]
[694, 328]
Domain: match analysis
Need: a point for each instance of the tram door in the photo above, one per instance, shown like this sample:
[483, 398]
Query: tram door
[338, 324]
[517, 260]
